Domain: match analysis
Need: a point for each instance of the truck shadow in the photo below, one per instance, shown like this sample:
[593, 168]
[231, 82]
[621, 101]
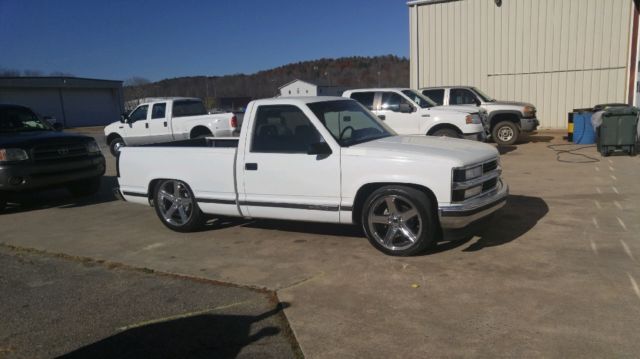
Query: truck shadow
[198, 336]
[59, 198]
[519, 215]
[516, 218]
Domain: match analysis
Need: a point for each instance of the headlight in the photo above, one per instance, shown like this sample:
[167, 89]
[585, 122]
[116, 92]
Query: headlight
[529, 111]
[92, 147]
[13, 154]
[465, 174]
[472, 119]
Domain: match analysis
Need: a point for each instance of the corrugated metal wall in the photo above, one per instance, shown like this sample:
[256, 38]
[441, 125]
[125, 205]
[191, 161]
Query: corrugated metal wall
[557, 54]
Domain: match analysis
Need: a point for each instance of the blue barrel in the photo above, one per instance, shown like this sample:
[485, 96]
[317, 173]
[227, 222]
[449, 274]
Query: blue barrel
[583, 132]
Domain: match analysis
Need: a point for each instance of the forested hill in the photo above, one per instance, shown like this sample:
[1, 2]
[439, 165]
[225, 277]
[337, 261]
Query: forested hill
[352, 72]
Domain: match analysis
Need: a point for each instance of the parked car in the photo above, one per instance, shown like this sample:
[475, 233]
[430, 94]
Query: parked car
[34, 156]
[507, 119]
[168, 119]
[410, 113]
[322, 159]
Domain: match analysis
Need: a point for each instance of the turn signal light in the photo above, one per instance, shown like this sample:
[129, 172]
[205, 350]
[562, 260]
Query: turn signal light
[234, 122]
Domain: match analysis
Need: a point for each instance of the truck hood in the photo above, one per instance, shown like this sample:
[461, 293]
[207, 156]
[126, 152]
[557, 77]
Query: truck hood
[30, 139]
[456, 152]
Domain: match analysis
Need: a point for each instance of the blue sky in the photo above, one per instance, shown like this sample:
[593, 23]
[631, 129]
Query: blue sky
[162, 39]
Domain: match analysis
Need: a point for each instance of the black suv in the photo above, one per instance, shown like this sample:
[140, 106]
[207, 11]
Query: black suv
[34, 155]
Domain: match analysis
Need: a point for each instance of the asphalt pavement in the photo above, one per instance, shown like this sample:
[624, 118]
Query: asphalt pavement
[58, 306]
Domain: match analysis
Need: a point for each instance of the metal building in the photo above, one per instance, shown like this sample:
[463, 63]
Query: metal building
[556, 54]
[74, 102]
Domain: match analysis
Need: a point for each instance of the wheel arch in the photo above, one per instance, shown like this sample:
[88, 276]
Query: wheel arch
[112, 136]
[199, 130]
[504, 115]
[364, 191]
[442, 126]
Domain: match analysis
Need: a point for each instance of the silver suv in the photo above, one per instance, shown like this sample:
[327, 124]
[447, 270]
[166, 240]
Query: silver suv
[506, 119]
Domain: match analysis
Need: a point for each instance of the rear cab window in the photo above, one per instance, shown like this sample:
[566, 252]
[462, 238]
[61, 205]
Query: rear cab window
[183, 108]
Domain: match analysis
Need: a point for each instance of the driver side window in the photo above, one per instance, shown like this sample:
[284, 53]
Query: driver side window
[139, 114]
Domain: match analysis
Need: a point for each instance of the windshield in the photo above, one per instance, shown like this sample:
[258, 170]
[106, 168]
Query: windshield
[349, 122]
[20, 119]
[420, 99]
[484, 96]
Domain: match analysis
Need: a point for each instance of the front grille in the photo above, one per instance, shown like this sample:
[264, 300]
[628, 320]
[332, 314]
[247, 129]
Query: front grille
[490, 166]
[488, 181]
[58, 151]
[489, 185]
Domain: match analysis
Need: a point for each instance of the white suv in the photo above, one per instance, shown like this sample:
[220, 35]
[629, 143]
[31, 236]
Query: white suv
[410, 113]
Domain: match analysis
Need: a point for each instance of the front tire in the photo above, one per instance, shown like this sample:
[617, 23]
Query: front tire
[399, 221]
[115, 145]
[86, 187]
[446, 132]
[505, 133]
[176, 206]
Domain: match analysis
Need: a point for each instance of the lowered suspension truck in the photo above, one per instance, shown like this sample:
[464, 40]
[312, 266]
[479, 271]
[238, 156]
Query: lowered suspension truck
[321, 159]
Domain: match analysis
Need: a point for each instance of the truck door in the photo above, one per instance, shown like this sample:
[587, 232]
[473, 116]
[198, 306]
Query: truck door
[394, 109]
[159, 127]
[280, 178]
[137, 129]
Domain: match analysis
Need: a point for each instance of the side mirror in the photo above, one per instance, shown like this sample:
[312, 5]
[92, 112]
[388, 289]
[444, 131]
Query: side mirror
[124, 118]
[319, 148]
[477, 102]
[405, 108]
[57, 126]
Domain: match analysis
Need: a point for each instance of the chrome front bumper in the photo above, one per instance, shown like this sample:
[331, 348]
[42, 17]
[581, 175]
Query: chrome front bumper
[461, 215]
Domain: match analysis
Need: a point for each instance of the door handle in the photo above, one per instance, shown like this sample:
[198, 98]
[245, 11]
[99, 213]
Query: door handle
[146, 125]
[165, 123]
[251, 166]
[382, 117]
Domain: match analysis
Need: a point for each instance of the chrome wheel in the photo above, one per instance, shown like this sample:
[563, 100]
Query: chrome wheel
[118, 146]
[175, 203]
[505, 134]
[394, 222]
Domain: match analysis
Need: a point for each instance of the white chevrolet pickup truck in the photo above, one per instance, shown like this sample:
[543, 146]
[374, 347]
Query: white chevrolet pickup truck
[408, 112]
[322, 159]
[168, 119]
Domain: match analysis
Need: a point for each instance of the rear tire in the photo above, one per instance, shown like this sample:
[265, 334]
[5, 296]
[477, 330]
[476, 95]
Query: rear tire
[505, 133]
[115, 145]
[399, 220]
[176, 206]
[446, 132]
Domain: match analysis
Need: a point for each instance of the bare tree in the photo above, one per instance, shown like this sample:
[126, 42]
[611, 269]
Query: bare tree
[9, 72]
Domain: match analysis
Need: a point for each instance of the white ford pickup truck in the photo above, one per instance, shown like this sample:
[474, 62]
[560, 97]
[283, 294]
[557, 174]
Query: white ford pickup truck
[168, 119]
[322, 159]
[408, 112]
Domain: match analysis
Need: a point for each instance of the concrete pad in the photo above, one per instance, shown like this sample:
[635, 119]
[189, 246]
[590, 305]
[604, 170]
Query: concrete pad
[553, 275]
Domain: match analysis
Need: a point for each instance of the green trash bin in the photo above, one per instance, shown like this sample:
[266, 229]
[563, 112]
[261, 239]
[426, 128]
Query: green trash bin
[618, 130]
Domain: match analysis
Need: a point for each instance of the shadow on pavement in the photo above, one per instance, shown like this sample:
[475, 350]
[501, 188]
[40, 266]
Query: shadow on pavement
[59, 198]
[199, 336]
[536, 138]
[327, 229]
[506, 149]
[517, 217]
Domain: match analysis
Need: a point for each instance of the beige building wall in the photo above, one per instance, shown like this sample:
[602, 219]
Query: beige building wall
[557, 54]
